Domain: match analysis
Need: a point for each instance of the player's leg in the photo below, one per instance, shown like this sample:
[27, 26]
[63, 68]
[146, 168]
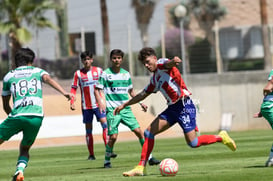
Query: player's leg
[113, 123]
[101, 117]
[152, 160]
[89, 140]
[22, 163]
[267, 112]
[30, 126]
[105, 136]
[187, 120]
[129, 119]
[109, 150]
[157, 126]
[194, 141]
[88, 121]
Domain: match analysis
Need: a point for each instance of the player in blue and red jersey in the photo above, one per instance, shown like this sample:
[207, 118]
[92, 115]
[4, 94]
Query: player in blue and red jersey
[86, 78]
[167, 79]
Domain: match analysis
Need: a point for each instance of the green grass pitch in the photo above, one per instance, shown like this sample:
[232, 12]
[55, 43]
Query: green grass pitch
[208, 163]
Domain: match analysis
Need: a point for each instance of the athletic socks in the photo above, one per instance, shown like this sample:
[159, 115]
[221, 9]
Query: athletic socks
[208, 139]
[21, 164]
[89, 142]
[141, 141]
[105, 136]
[108, 153]
[146, 151]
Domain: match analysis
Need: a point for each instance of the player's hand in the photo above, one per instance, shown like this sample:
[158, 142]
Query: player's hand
[102, 106]
[266, 91]
[102, 110]
[69, 96]
[257, 115]
[72, 107]
[144, 107]
[177, 60]
[118, 109]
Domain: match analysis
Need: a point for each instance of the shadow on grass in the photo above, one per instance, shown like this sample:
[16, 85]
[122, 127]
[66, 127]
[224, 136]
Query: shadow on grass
[256, 166]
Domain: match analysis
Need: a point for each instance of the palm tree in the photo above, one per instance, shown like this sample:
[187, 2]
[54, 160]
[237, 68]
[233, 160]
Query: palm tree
[144, 11]
[61, 14]
[105, 29]
[207, 13]
[19, 15]
[265, 33]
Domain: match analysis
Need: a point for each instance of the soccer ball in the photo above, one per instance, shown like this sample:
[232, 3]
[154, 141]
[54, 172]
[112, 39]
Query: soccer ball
[168, 167]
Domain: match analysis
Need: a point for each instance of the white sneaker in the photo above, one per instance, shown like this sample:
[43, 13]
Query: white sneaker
[269, 162]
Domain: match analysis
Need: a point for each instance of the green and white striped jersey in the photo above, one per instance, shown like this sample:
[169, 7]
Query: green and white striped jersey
[25, 85]
[115, 86]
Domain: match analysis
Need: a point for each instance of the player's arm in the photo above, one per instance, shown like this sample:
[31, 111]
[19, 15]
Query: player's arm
[100, 98]
[133, 94]
[47, 79]
[258, 115]
[6, 105]
[73, 91]
[73, 99]
[139, 97]
[268, 88]
[172, 63]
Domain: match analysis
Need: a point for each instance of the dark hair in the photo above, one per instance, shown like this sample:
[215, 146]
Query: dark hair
[86, 54]
[116, 52]
[24, 56]
[145, 52]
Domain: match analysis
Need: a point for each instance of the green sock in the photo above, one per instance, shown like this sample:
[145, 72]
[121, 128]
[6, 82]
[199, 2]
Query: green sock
[21, 163]
[108, 153]
[141, 141]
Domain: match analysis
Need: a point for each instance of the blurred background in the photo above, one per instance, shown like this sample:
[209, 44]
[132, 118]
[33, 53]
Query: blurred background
[226, 47]
[212, 36]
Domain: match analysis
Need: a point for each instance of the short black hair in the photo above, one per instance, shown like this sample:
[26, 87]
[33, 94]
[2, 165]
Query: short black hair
[145, 52]
[24, 56]
[86, 54]
[116, 52]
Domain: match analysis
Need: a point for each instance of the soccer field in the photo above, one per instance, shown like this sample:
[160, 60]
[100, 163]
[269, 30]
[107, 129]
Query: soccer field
[208, 163]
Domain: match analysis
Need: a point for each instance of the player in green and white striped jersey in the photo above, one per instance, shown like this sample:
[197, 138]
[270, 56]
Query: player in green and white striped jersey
[116, 83]
[266, 111]
[24, 84]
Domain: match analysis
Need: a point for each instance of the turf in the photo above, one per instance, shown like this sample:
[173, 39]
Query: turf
[208, 163]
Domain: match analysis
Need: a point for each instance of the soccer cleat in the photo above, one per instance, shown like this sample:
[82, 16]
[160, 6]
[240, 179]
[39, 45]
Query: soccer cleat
[113, 155]
[137, 171]
[18, 177]
[153, 161]
[269, 162]
[91, 157]
[226, 140]
[107, 165]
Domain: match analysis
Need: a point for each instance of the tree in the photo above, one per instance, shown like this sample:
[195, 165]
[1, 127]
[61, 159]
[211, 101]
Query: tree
[265, 33]
[207, 13]
[144, 10]
[19, 15]
[61, 14]
[105, 29]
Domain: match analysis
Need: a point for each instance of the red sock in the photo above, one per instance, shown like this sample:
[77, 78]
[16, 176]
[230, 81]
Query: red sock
[146, 150]
[196, 129]
[89, 142]
[105, 136]
[208, 139]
